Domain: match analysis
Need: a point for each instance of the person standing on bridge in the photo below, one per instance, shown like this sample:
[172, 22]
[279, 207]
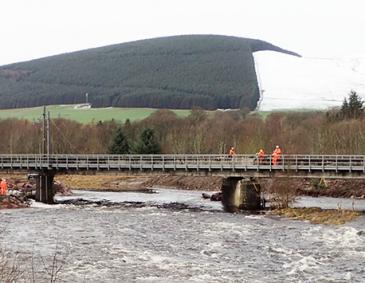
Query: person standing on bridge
[276, 155]
[232, 152]
[3, 186]
[261, 156]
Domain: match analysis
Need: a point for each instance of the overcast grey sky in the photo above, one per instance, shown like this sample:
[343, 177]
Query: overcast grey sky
[320, 28]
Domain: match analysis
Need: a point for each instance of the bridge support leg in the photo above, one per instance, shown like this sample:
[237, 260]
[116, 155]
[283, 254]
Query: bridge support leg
[241, 194]
[44, 189]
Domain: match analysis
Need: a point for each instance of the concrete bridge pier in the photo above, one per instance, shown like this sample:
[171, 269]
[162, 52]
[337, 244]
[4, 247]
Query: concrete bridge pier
[241, 194]
[44, 186]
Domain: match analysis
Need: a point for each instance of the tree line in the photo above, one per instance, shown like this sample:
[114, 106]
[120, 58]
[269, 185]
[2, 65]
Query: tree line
[340, 131]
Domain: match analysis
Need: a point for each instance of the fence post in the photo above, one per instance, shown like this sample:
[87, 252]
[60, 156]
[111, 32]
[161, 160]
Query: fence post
[296, 163]
[350, 169]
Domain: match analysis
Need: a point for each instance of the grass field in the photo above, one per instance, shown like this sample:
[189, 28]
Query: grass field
[102, 114]
[84, 115]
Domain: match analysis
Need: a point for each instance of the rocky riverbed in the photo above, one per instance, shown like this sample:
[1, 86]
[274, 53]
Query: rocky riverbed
[12, 201]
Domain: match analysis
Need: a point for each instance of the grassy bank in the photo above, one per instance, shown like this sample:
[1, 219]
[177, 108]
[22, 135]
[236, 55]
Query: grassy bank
[317, 215]
[100, 182]
[84, 115]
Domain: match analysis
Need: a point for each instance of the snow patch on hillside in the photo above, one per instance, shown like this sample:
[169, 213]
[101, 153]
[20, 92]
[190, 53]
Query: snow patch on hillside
[288, 82]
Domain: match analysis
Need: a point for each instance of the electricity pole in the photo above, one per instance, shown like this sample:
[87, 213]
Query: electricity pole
[46, 142]
[49, 133]
[44, 138]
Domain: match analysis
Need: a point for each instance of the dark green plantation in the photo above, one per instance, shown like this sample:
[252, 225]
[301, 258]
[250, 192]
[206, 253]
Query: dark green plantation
[181, 72]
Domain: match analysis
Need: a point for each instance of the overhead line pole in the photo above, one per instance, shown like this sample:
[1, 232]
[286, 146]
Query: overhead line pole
[44, 141]
[49, 134]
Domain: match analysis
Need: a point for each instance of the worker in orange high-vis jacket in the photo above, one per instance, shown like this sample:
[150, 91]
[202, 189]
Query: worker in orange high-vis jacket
[3, 186]
[231, 152]
[261, 156]
[276, 155]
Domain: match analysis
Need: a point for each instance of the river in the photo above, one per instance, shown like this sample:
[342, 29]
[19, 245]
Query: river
[135, 237]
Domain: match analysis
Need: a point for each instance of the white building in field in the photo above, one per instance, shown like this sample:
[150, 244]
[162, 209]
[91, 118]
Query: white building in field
[85, 105]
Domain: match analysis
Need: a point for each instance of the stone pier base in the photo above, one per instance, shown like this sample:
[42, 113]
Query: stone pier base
[241, 194]
[44, 187]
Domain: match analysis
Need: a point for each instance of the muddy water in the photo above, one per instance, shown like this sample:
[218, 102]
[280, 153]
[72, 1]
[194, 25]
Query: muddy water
[126, 237]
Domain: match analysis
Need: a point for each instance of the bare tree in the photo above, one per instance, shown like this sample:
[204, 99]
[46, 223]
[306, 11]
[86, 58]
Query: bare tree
[282, 191]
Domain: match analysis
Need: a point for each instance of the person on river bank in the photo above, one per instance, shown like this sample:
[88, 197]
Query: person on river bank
[3, 187]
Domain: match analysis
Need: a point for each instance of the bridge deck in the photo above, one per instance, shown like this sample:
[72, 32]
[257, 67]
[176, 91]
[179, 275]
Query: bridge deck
[212, 164]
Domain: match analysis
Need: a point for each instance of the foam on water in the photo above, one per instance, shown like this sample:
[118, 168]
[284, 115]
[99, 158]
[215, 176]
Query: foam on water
[255, 217]
[203, 278]
[304, 264]
[343, 236]
[241, 228]
[149, 279]
[281, 250]
[36, 204]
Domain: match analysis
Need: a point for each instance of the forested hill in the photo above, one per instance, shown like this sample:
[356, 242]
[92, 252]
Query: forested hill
[207, 71]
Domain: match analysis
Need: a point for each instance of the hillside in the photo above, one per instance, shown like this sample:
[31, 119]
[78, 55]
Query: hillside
[179, 72]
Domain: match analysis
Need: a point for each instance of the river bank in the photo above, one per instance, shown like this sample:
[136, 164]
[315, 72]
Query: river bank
[114, 182]
[7, 202]
[316, 215]
[118, 182]
[344, 188]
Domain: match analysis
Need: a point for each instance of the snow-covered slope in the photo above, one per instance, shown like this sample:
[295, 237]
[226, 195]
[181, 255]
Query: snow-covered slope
[289, 82]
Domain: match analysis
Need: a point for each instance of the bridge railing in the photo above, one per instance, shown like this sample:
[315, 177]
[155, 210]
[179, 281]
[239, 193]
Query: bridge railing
[19, 161]
[211, 162]
[197, 162]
